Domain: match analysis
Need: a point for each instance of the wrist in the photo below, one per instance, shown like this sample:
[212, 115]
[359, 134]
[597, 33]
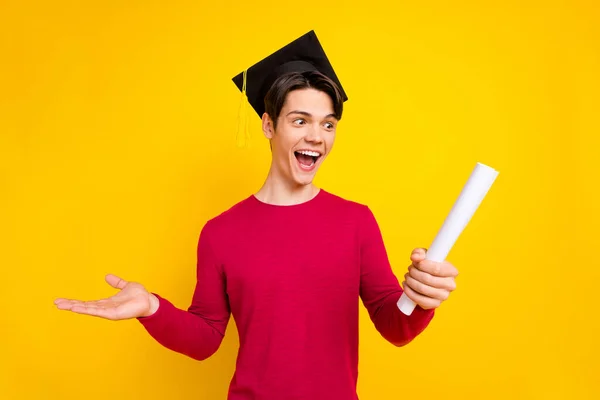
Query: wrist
[154, 304]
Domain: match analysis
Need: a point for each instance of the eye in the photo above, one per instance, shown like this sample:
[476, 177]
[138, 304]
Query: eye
[299, 121]
[329, 125]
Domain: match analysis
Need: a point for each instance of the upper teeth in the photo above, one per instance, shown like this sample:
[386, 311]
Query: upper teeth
[309, 153]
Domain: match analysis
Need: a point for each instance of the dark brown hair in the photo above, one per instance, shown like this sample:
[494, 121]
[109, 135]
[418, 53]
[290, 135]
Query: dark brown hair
[275, 97]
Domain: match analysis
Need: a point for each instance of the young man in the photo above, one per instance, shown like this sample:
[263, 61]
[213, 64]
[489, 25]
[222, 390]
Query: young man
[290, 262]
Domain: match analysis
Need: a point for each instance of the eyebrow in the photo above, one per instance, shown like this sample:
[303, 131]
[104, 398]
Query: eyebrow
[309, 114]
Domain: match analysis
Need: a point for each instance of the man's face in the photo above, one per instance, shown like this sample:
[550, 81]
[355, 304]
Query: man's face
[304, 136]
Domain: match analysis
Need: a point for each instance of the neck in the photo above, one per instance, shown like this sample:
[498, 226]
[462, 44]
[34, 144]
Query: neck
[277, 190]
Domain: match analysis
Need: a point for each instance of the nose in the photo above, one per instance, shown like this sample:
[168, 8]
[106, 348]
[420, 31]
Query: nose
[314, 135]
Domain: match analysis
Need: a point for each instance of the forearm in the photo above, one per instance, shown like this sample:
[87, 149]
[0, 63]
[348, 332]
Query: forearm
[183, 331]
[380, 289]
[396, 327]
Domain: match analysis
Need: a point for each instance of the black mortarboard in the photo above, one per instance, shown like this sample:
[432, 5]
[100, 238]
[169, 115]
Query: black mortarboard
[301, 55]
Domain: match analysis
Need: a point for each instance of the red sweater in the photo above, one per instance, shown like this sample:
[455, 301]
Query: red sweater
[291, 276]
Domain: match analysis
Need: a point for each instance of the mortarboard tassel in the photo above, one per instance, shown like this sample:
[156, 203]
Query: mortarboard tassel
[243, 133]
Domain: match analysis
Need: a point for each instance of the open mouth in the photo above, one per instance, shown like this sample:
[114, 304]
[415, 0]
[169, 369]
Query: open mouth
[306, 158]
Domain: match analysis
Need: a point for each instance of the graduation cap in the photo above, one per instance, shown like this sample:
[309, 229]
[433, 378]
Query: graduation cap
[302, 55]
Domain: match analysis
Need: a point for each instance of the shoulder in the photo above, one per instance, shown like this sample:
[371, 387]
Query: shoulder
[355, 215]
[347, 206]
[222, 222]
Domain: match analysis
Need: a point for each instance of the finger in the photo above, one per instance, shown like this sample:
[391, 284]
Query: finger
[435, 281]
[425, 290]
[441, 269]
[115, 281]
[418, 255]
[69, 305]
[423, 301]
[104, 303]
[66, 304]
[107, 313]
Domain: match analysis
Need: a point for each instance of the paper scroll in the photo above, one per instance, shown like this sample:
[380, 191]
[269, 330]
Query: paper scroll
[472, 194]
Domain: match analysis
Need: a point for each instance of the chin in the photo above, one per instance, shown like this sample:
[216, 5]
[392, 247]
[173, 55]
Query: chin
[303, 182]
[304, 175]
[300, 178]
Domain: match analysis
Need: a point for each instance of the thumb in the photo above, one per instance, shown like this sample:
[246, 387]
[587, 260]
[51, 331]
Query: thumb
[418, 255]
[115, 281]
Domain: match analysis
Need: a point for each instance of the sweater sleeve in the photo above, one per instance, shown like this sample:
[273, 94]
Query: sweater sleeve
[380, 288]
[198, 331]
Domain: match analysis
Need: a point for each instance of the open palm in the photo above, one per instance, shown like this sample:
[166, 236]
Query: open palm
[132, 301]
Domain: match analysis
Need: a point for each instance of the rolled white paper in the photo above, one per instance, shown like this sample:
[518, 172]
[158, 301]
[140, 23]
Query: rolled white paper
[468, 201]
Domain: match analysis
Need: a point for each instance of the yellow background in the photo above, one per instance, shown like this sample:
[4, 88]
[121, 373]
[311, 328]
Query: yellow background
[117, 143]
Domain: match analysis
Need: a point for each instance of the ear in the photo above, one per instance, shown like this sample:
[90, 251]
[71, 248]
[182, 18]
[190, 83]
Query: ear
[267, 126]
